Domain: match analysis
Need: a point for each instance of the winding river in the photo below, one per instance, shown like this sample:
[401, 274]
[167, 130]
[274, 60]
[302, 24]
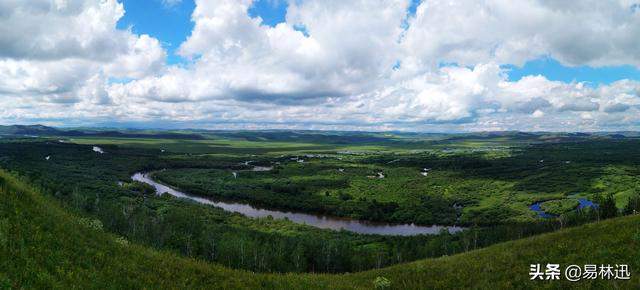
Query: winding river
[320, 221]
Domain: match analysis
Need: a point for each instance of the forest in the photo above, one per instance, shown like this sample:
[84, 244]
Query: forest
[50, 247]
[487, 192]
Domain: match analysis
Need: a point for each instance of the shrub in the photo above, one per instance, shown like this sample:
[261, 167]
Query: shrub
[91, 223]
[381, 283]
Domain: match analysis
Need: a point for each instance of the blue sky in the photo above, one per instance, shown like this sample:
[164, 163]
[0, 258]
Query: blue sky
[272, 12]
[172, 24]
[169, 24]
[553, 70]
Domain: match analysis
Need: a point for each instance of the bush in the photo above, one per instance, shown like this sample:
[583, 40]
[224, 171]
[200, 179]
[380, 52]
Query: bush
[91, 223]
[381, 283]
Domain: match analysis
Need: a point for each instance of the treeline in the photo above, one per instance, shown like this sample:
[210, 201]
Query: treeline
[430, 160]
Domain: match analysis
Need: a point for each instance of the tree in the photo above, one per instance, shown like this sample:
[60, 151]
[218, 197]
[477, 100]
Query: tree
[608, 207]
[633, 205]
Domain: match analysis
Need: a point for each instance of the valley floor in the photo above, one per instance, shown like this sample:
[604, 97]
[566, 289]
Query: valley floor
[42, 245]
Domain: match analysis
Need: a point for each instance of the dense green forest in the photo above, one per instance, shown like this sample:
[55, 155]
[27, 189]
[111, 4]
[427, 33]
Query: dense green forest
[486, 186]
[466, 188]
[51, 248]
[87, 183]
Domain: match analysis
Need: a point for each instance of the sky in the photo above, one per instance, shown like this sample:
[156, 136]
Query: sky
[374, 65]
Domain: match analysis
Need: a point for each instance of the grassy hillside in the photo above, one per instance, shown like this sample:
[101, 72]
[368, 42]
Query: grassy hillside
[44, 246]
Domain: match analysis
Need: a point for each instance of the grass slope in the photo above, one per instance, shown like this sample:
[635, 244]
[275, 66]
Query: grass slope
[44, 246]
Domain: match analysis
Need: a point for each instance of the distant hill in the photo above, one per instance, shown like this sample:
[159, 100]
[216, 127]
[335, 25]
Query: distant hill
[43, 246]
[40, 130]
[314, 136]
[27, 130]
[335, 137]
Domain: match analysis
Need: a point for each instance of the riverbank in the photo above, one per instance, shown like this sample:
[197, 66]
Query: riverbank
[320, 221]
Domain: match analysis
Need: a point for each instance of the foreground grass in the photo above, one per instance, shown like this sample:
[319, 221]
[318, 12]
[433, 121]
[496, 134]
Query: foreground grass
[43, 246]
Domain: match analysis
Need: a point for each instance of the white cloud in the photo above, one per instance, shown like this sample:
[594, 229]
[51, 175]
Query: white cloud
[43, 29]
[591, 32]
[65, 51]
[171, 3]
[537, 114]
[332, 64]
[252, 61]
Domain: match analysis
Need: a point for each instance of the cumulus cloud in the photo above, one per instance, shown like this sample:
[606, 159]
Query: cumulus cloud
[43, 29]
[238, 56]
[616, 107]
[332, 64]
[591, 32]
[65, 51]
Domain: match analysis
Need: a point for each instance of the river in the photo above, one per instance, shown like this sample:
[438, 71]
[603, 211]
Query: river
[320, 221]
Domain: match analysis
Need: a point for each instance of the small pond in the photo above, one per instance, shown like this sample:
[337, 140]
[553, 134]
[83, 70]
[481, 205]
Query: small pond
[583, 203]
